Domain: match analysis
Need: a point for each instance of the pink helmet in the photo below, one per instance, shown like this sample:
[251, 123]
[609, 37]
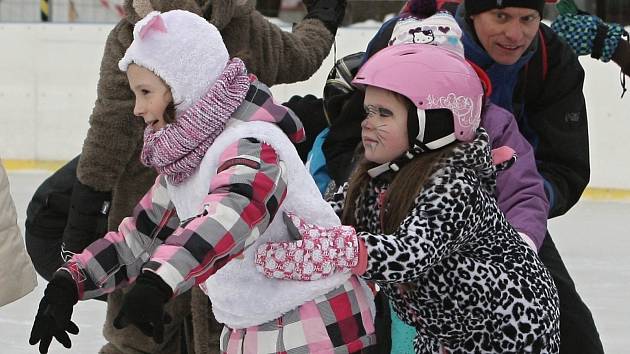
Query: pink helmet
[433, 78]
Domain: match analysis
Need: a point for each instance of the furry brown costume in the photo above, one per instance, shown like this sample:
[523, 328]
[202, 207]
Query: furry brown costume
[110, 157]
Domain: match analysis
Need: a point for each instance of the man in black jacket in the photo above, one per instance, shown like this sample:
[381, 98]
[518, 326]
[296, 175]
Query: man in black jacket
[535, 75]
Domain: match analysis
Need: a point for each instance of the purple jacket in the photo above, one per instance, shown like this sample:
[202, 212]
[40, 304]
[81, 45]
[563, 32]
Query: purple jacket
[520, 191]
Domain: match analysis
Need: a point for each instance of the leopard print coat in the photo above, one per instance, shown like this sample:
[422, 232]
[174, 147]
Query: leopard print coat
[455, 269]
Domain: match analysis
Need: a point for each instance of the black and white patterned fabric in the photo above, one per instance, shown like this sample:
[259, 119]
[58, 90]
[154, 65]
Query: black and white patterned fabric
[455, 269]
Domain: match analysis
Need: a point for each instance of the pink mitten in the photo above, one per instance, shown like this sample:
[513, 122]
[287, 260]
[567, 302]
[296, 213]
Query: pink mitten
[503, 157]
[320, 252]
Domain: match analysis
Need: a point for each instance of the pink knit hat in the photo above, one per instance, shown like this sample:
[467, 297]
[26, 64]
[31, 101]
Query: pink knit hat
[183, 49]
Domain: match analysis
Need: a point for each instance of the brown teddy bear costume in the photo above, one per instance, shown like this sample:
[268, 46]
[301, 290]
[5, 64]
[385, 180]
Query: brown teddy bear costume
[110, 157]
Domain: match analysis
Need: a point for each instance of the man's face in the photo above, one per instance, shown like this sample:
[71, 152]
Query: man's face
[506, 33]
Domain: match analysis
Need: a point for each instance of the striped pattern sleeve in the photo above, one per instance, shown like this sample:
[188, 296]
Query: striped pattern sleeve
[116, 260]
[244, 195]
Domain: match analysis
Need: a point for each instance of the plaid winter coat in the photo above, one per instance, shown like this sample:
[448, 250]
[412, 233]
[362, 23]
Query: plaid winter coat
[110, 156]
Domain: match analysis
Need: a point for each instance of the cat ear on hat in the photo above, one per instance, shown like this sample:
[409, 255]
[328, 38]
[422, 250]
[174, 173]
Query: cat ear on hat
[155, 23]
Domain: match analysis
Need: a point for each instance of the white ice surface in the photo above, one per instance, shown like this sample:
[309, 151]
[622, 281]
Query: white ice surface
[593, 239]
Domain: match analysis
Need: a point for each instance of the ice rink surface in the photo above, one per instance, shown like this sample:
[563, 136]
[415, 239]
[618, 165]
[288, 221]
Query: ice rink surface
[593, 239]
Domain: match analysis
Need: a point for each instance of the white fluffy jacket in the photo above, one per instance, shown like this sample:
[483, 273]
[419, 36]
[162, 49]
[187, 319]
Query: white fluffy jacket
[241, 296]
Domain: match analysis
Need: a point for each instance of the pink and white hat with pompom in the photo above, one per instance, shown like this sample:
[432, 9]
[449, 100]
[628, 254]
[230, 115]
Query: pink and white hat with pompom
[183, 49]
[440, 29]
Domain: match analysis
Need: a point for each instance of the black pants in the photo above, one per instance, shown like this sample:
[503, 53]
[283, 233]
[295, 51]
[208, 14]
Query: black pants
[578, 334]
[46, 217]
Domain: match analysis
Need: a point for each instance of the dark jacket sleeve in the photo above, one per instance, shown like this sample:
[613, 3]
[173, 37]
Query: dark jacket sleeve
[556, 122]
[344, 137]
[274, 55]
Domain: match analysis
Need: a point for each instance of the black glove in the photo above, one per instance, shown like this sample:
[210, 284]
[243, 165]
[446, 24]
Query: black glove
[143, 306]
[330, 12]
[87, 217]
[55, 310]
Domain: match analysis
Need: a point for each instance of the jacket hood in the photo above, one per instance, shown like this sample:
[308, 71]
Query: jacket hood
[259, 105]
[218, 12]
[476, 155]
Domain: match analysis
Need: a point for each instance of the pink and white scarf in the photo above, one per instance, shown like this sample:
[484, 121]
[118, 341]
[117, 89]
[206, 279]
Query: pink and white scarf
[177, 149]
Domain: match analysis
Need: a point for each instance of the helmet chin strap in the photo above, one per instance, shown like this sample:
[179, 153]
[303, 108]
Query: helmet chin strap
[418, 148]
[396, 164]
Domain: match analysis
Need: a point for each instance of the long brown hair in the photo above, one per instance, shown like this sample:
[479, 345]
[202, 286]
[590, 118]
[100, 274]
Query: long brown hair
[169, 113]
[402, 191]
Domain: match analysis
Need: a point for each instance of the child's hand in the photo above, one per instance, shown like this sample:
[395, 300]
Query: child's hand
[143, 306]
[319, 253]
[54, 313]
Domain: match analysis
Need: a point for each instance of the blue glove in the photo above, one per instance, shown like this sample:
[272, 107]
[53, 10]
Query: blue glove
[588, 34]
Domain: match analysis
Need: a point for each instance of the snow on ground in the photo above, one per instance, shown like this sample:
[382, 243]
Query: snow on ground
[593, 238]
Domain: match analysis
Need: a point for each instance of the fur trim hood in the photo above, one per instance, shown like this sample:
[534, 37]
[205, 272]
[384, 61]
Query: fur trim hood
[219, 12]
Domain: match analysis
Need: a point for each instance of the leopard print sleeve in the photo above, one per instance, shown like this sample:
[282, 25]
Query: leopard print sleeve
[337, 200]
[443, 218]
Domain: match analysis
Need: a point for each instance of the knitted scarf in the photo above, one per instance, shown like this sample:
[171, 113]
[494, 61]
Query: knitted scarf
[177, 149]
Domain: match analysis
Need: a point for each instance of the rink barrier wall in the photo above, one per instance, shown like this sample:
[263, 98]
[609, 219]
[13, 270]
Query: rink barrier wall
[591, 193]
[49, 72]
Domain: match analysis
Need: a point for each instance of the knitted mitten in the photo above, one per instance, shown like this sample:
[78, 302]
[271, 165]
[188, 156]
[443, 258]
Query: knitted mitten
[321, 252]
[588, 34]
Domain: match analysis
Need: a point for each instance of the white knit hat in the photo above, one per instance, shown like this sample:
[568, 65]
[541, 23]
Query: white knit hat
[183, 49]
[441, 29]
